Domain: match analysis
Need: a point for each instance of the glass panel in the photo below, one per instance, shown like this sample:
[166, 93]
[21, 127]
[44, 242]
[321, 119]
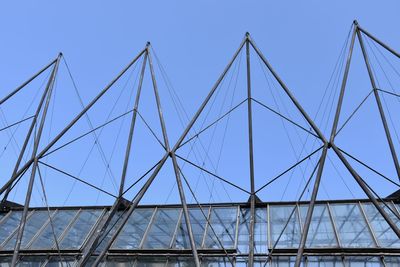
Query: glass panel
[63, 262]
[198, 222]
[132, 233]
[60, 221]
[223, 221]
[180, 262]
[9, 225]
[283, 261]
[216, 262]
[151, 262]
[33, 225]
[279, 216]
[324, 261]
[31, 261]
[112, 226]
[5, 261]
[79, 230]
[162, 229]
[320, 233]
[383, 232]
[260, 231]
[119, 262]
[392, 261]
[351, 226]
[366, 261]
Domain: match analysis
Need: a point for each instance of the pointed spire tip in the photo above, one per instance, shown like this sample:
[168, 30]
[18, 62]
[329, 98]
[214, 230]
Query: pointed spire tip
[355, 22]
[148, 44]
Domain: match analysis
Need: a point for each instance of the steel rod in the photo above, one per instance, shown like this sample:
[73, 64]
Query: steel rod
[46, 95]
[212, 174]
[61, 134]
[379, 103]
[369, 194]
[289, 94]
[251, 154]
[132, 128]
[343, 86]
[149, 181]
[379, 42]
[310, 209]
[27, 82]
[176, 168]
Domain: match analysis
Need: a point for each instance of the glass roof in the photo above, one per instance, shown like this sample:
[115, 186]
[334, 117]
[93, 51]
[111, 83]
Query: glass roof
[278, 261]
[334, 225]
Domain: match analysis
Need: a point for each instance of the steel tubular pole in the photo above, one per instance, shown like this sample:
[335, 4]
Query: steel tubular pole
[149, 181]
[379, 103]
[343, 86]
[132, 128]
[290, 95]
[47, 94]
[40, 154]
[366, 190]
[379, 42]
[311, 205]
[210, 94]
[251, 156]
[185, 210]
[175, 164]
[26, 82]
[30, 130]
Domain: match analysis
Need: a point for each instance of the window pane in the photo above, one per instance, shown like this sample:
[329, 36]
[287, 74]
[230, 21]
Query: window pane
[324, 261]
[162, 228]
[151, 262]
[351, 226]
[223, 221]
[33, 225]
[198, 222]
[132, 233]
[9, 225]
[65, 261]
[260, 230]
[383, 232]
[279, 216]
[119, 262]
[31, 261]
[79, 230]
[320, 233]
[60, 221]
[112, 227]
[367, 261]
[392, 261]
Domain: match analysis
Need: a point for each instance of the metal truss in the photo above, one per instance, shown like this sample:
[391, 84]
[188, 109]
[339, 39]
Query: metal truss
[103, 234]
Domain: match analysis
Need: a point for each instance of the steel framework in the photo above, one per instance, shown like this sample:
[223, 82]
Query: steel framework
[102, 233]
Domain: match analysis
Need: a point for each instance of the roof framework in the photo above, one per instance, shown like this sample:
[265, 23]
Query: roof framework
[102, 238]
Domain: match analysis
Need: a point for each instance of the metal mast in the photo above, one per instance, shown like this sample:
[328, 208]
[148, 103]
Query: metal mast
[46, 97]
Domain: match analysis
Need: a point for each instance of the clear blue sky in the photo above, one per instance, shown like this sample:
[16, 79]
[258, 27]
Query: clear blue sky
[194, 41]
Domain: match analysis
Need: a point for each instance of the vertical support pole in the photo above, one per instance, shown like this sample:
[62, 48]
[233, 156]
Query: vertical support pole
[310, 209]
[379, 103]
[103, 227]
[251, 155]
[175, 164]
[132, 127]
[142, 191]
[343, 86]
[47, 94]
